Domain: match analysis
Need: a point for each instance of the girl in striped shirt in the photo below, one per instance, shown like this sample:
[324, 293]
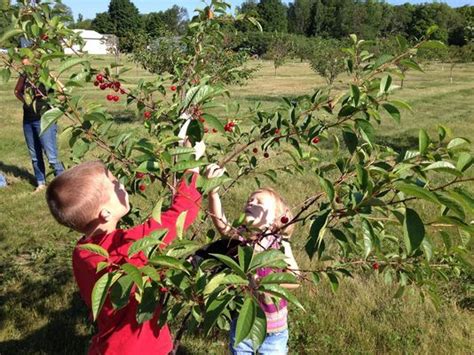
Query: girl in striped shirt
[265, 210]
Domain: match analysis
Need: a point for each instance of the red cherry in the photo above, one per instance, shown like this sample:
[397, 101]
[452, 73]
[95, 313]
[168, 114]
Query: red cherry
[315, 140]
[277, 131]
[96, 83]
[255, 150]
[44, 37]
[103, 86]
[116, 98]
[99, 78]
[110, 97]
[147, 114]
[142, 187]
[214, 130]
[202, 119]
[164, 289]
[122, 91]
[284, 219]
[117, 84]
[139, 175]
[173, 88]
[206, 130]
[266, 155]
[375, 266]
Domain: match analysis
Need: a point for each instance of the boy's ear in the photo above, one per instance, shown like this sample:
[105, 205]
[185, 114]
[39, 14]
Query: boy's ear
[105, 214]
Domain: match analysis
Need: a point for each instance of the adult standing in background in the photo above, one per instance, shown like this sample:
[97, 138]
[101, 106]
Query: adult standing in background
[35, 104]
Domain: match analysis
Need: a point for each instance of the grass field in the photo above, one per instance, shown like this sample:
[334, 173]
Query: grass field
[41, 311]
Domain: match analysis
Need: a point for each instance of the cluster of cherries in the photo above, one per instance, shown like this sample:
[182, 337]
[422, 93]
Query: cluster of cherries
[265, 154]
[100, 81]
[229, 126]
[139, 176]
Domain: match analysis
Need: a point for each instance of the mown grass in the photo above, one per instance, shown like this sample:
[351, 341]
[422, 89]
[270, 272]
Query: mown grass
[42, 313]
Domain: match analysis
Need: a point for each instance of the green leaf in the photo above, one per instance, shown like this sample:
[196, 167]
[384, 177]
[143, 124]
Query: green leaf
[432, 29]
[281, 292]
[207, 185]
[184, 165]
[433, 45]
[214, 308]
[71, 63]
[316, 234]
[245, 257]
[134, 274]
[181, 150]
[366, 128]
[214, 122]
[399, 292]
[392, 111]
[411, 64]
[246, 319]
[328, 187]
[459, 144]
[451, 204]
[180, 224]
[427, 249]
[368, 233]
[120, 292]
[423, 141]
[9, 34]
[279, 278]
[350, 139]
[316, 278]
[99, 294]
[144, 243]
[385, 84]
[156, 214]
[231, 264]
[413, 230]
[168, 262]
[464, 161]
[5, 75]
[355, 93]
[402, 104]
[444, 167]
[384, 58]
[416, 191]
[94, 248]
[49, 118]
[334, 281]
[259, 329]
[268, 258]
[147, 306]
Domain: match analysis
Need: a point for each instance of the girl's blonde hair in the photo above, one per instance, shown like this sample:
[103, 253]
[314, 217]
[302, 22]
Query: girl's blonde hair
[281, 210]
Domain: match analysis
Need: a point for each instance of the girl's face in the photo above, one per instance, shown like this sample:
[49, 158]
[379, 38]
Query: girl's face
[260, 210]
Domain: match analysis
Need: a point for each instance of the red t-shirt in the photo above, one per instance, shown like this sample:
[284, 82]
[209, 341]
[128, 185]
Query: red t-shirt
[119, 332]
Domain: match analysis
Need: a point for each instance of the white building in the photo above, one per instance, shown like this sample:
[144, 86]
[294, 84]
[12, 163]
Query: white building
[95, 43]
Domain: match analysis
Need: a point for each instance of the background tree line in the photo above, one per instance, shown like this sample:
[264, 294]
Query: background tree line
[368, 19]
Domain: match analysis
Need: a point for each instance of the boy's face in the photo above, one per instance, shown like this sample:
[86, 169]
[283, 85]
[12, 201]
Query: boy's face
[117, 204]
[260, 210]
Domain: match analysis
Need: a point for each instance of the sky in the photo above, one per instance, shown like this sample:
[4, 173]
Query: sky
[88, 8]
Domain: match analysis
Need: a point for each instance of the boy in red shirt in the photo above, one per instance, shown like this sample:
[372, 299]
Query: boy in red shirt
[89, 199]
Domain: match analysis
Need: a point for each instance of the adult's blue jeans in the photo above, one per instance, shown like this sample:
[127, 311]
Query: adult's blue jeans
[37, 145]
[274, 343]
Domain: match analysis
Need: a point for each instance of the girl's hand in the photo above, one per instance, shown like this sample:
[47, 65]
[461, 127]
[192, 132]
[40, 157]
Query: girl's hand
[199, 149]
[214, 171]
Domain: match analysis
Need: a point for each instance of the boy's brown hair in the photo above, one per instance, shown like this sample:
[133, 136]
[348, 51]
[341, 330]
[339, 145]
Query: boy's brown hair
[281, 209]
[75, 196]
